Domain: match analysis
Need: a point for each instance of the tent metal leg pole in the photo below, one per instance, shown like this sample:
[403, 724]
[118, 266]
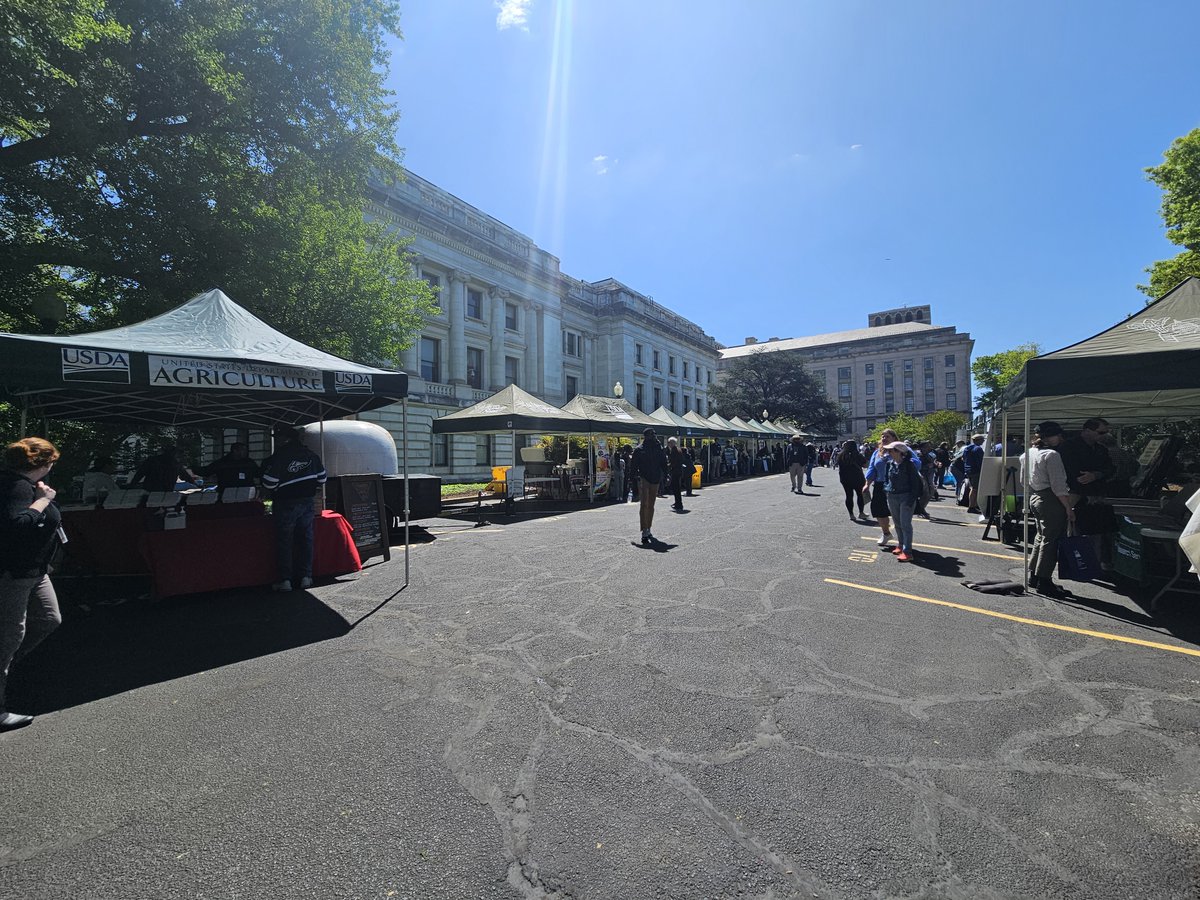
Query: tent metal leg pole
[404, 466]
[1025, 503]
[324, 504]
[24, 417]
[592, 466]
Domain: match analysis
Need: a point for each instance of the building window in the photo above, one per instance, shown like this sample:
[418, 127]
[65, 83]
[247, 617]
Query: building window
[887, 367]
[475, 367]
[888, 384]
[671, 395]
[951, 378]
[908, 365]
[929, 400]
[929, 382]
[573, 344]
[572, 386]
[431, 359]
[870, 385]
[483, 449]
[949, 360]
[909, 404]
[844, 373]
[639, 391]
[440, 449]
[870, 407]
[637, 354]
[670, 365]
[474, 304]
[436, 283]
[951, 401]
[844, 390]
[512, 365]
[889, 406]
[708, 376]
[685, 370]
[908, 382]
[656, 361]
[929, 364]
[657, 397]
[687, 404]
[869, 368]
[510, 316]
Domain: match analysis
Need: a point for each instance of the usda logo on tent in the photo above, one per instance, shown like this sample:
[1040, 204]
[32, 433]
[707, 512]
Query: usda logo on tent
[86, 364]
[352, 383]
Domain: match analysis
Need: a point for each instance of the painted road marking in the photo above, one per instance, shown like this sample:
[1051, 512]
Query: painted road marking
[863, 556]
[1103, 635]
[961, 550]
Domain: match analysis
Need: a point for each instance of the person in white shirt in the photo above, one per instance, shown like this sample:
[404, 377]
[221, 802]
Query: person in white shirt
[1051, 504]
[98, 481]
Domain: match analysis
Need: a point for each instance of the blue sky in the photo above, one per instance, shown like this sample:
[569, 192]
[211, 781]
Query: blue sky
[782, 167]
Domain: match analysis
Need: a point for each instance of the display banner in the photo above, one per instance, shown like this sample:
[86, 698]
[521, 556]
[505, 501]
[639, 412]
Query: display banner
[176, 371]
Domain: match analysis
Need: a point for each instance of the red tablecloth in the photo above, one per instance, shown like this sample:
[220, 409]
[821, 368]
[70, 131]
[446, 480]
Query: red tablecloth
[239, 552]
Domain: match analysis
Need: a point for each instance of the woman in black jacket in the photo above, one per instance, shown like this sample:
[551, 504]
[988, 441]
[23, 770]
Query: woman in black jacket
[29, 533]
[675, 472]
[850, 473]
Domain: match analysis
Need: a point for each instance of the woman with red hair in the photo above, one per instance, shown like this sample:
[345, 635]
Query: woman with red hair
[30, 526]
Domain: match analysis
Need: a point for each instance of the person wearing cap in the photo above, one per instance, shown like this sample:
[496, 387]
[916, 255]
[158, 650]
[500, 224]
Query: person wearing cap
[292, 475]
[649, 467]
[972, 457]
[796, 460]
[1051, 504]
[903, 488]
[874, 485]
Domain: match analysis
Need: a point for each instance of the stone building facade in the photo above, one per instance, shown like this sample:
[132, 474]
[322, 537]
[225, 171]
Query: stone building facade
[901, 362]
[509, 315]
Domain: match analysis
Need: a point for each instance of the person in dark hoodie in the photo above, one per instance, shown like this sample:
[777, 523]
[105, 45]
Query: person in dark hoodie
[292, 474]
[30, 531]
[649, 467]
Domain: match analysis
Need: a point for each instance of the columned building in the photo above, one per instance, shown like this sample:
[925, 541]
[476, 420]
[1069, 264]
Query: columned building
[508, 315]
[901, 362]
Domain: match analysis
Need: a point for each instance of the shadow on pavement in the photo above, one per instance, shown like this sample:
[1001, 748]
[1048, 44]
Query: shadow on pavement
[102, 649]
[945, 566]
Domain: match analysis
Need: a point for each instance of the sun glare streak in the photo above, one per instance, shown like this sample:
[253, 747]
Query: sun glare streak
[552, 178]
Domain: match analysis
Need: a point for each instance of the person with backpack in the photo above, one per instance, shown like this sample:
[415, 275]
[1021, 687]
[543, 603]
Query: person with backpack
[904, 487]
[648, 466]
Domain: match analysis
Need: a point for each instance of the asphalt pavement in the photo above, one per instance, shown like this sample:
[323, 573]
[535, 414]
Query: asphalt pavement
[770, 708]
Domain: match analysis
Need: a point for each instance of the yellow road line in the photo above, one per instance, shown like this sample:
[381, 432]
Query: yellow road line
[961, 550]
[1103, 635]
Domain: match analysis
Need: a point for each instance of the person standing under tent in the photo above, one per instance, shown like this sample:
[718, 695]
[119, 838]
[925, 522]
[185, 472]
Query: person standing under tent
[1051, 504]
[292, 474]
[876, 478]
[648, 466]
[30, 532]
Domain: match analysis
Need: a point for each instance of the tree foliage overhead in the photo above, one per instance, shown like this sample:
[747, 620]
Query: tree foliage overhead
[993, 372]
[938, 426]
[151, 149]
[1179, 178]
[778, 383]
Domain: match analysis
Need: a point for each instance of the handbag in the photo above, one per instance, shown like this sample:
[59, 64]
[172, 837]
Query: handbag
[1077, 558]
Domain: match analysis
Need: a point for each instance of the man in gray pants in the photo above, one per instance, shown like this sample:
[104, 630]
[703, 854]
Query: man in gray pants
[1050, 503]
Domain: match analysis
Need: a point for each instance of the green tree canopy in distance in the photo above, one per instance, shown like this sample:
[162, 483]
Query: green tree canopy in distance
[151, 150]
[993, 372]
[778, 383]
[1179, 177]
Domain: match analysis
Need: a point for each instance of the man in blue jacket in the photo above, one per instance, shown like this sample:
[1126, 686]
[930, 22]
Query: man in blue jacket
[292, 475]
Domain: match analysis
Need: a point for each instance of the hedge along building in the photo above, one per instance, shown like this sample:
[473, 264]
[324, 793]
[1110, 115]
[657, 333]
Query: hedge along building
[901, 362]
[508, 315]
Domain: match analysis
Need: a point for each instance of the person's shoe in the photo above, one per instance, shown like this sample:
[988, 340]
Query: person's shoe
[305, 583]
[973, 509]
[647, 539]
[1048, 588]
[282, 587]
[903, 557]
[884, 539]
[11, 721]
[983, 520]
[896, 551]
[678, 507]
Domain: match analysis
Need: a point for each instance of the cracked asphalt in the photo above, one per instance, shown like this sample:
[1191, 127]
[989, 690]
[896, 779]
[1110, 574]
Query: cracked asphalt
[550, 712]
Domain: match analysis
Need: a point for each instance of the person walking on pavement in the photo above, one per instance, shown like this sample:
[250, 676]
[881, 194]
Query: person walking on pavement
[675, 462]
[812, 461]
[796, 459]
[875, 480]
[850, 473]
[689, 469]
[292, 474]
[649, 467]
[903, 488]
[30, 532]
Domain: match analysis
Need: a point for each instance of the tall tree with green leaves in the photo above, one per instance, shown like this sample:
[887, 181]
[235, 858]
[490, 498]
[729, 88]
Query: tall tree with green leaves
[1179, 177]
[152, 149]
[993, 372]
[778, 383]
